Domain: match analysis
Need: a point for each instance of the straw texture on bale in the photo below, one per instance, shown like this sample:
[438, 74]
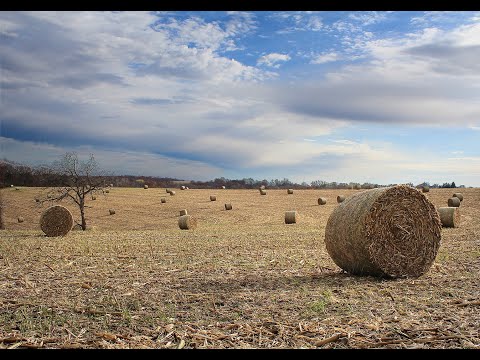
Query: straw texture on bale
[263, 192]
[172, 193]
[111, 211]
[425, 189]
[145, 186]
[20, 219]
[163, 200]
[187, 222]
[290, 217]
[228, 206]
[340, 198]
[459, 196]
[290, 191]
[56, 221]
[449, 216]
[386, 232]
[453, 202]
[213, 198]
[183, 212]
[322, 201]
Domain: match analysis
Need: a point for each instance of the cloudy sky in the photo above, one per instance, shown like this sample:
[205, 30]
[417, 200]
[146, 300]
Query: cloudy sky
[384, 97]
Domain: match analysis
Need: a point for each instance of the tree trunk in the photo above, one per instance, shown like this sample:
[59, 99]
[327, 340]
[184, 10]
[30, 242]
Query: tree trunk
[82, 213]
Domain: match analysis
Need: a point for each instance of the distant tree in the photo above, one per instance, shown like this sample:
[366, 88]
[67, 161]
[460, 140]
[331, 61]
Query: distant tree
[78, 179]
[453, 184]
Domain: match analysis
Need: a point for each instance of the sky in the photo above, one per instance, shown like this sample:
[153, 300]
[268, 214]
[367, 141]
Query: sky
[363, 96]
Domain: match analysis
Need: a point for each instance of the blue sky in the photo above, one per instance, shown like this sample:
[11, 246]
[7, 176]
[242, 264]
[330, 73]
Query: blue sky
[379, 96]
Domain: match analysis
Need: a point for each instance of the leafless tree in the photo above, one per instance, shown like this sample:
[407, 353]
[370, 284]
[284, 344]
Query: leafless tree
[79, 181]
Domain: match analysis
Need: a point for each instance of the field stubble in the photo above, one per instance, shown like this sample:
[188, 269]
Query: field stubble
[241, 279]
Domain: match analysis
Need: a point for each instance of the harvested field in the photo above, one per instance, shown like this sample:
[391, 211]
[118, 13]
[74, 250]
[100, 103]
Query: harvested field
[241, 279]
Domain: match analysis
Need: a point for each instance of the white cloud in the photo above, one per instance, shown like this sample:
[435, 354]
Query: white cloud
[273, 59]
[325, 58]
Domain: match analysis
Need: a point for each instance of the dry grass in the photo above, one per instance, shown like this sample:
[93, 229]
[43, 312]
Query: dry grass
[241, 279]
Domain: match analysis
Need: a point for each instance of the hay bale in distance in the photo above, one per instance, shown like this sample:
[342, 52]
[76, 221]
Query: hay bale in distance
[453, 202]
[111, 185]
[290, 217]
[449, 216]
[458, 195]
[145, 186]
[262, 187]
[322, 201]
[187, 188]
[182, 187]
[289, 191]
[340, 198]
[187, 222]
[183, 212]
[163, 200]
[111, 211]
[20, 219]
[213, 198]
[94, 198]
[223, 187]
[263, 192]
[172, 193]
[388, 232]
[167, 191]
[425, 189]
[107, 191]
[56, 220]
[228, 206]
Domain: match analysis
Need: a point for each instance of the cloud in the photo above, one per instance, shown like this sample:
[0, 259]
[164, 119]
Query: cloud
[273, 59]
[325, 58]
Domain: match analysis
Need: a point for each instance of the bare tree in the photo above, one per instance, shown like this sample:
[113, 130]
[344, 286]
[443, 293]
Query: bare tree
[2, 205]
[78, 181]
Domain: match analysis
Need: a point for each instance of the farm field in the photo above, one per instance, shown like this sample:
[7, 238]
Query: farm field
[241, 279]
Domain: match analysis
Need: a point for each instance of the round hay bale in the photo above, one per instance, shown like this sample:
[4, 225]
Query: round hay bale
[223, 187]
[172, 193]
[11, 185]
[186, 188]
[111, 211]
[94, 198]
[449, 216]
[228, 206]
[20, 219]
[187, 222]
[340, 198]
[262, 187]
[183, 212]
[388, 232]
[263, 192]
[145, 186]
[322, 201]
[17, 188]
[425, 189]
[453, 202]
[213, 198]
[163, 200]
[56, 221]
[107, 191]
[290, 191]
[290, 217]
[182, 187]
[458, 195]
[167, 190]
[111, 185]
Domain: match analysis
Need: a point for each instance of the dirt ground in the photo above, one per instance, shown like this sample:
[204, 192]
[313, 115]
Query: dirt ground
[241, 279]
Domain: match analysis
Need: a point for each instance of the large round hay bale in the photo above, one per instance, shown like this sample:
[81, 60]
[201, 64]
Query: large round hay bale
[107, 191]
[340, 198]
[459, 196]
[228, 206]
[449, 216]
[172, 193]
[163, 200]
[145, 186]
[111, 211]
[290, 217]
[183, 212]
[182, 187]
[425, 189]
[290, 191]
[453, 202]
[322, 201]
[187, 222]
[56, 221]
[213, 198]
[223, 187]
[393, 232]
[20, 219]
[167, 190]
[263, 192]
